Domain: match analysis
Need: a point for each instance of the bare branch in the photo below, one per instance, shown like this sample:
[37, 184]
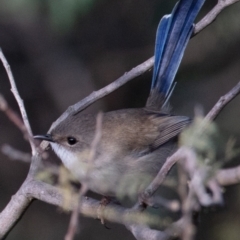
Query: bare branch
[73, 225]
[47, 193]
[222, 102]
[15, 154]
[158, 201]
[94, 96]
[158, 180]
[229, 176]
[13, 116]
[142, 232]
[212, 15]
[12, 212]
[10, 215]
[19, 100]
[89, 206]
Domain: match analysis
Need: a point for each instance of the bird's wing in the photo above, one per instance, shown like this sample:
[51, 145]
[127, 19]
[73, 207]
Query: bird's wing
[156, 131]
[168, 128]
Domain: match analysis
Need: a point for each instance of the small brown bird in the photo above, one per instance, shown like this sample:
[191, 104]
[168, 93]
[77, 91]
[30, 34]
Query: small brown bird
[134, 143]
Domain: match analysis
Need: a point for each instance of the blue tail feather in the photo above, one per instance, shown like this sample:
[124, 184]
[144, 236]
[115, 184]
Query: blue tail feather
[173, 34]
[161, 37]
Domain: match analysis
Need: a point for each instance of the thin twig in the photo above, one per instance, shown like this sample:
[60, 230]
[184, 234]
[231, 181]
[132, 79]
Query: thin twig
[15, 154]
[158, 180]
[230, 176]
[13, 116]
[96, 95]
[96, 139]
[19, 100]
[73, 225]
[212, 15]
[222, 102]
[158, 201]
[186, 198]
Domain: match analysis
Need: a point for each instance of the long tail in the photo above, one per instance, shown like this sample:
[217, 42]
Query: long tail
[173, 34]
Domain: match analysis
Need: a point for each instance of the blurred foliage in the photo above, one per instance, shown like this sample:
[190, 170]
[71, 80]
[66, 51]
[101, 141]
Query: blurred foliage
[206, 140]
[231, 151]
[67, 189]
[202, 136]
[62, 14]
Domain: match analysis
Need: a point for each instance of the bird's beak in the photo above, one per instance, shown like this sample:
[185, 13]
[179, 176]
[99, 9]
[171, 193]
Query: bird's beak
[46, 137]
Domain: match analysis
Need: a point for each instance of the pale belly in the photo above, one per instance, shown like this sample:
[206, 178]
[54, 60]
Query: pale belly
[119, 177]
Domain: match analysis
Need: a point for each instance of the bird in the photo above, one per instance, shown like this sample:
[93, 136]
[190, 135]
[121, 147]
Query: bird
[134, 142]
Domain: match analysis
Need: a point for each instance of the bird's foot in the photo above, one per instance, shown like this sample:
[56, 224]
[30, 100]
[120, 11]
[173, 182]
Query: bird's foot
[103, 203]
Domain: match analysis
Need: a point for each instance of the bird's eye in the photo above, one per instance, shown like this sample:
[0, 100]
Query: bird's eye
[71, 140]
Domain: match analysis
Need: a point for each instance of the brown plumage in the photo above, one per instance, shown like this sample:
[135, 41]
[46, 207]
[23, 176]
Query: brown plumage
[133, 146]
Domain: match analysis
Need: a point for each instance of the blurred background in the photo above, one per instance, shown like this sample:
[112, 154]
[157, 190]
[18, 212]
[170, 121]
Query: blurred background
[60, 51]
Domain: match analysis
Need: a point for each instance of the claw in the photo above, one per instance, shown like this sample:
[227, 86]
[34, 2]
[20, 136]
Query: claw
[103, 203]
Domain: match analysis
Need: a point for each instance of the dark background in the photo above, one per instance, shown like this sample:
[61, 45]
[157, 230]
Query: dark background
[60, 51]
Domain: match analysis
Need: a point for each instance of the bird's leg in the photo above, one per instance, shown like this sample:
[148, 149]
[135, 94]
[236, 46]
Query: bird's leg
[103, 203]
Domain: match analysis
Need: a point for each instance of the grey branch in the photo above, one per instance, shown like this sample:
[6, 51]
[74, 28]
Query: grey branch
[212, 15]
[222, 102]
[94, 96]
[13, 116]
[19, 100]
[229, 176]
[15, 154]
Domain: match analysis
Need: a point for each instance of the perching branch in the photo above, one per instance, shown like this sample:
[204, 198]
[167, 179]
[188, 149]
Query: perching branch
[10, 215]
